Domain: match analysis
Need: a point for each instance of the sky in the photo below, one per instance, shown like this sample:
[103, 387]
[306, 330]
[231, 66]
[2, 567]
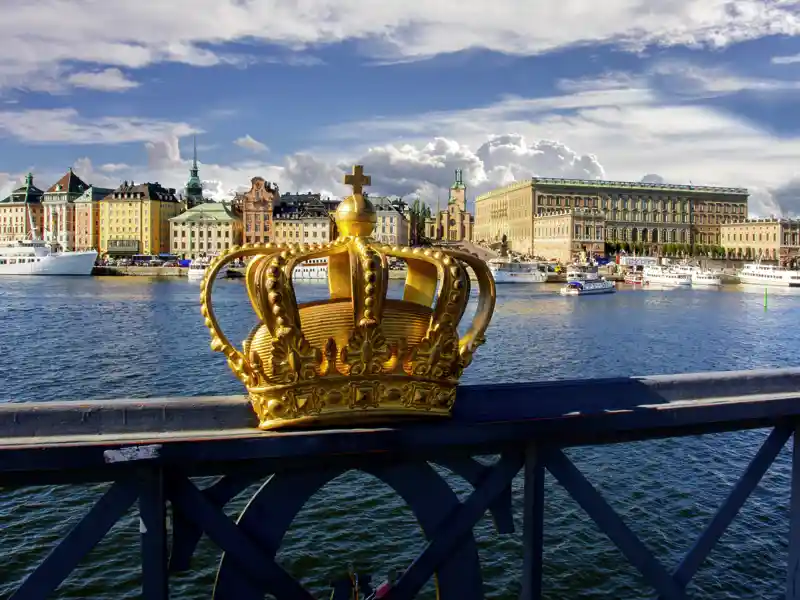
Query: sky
[686, 91]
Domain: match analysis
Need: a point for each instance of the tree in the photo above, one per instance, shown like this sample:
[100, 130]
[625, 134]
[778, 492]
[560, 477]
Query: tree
[418, 212]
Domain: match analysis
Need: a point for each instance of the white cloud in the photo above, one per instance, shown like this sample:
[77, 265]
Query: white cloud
[248, 143]
[785, 60]
[66, 126]
[107, 80]
[44, 36]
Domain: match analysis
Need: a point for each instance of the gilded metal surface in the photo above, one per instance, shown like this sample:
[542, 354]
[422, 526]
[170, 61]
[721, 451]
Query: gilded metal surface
[358, 356]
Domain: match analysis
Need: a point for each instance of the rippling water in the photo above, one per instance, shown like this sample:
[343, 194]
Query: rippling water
[133, 337]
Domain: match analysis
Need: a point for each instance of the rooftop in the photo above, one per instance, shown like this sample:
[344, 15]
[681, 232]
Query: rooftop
[636, 185]
[69, 183]
[208, 212]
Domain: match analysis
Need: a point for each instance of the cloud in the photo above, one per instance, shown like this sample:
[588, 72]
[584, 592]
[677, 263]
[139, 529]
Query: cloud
[248, 143]
[67, 126]
[107, 80]
[45, 36]
[785, 60]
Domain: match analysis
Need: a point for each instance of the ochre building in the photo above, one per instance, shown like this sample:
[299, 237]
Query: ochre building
[87, 218]
[134, 219]
[648, 213]
[454, 224]
[21, 213]
[766, 239]
[256, 207]
[563, 234]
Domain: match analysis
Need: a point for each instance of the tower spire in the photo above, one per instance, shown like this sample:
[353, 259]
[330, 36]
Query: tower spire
[194, 160]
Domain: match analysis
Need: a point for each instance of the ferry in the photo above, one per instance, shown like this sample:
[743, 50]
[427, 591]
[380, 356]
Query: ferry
[508, 271]
[315, 269]
[758, 274]
[35, 257]
[699, 276]
[198, 266]
[588, 287]
[666, 277]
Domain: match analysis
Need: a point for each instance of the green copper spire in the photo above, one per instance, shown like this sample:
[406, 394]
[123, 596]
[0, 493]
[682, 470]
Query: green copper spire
[194, 187]
[459, 184]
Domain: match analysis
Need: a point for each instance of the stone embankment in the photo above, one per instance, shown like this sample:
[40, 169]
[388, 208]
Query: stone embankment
[141, 271]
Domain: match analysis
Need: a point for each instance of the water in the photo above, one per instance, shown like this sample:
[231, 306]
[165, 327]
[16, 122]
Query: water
[131, 337]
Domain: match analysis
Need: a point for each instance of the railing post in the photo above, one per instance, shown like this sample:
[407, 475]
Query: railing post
[153, 529]
[532, 525]
[793, 567]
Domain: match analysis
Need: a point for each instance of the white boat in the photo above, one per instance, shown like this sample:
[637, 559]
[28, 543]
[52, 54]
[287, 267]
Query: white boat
[35, 257]
[508, 271]
[582, 273]
[666, 277]
[198, 266]
[699, 276]
[758, 274]
[315, 269]
[588, 287]
[634, 278]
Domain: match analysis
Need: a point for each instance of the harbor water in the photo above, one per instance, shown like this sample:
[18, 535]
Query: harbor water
[122, 337]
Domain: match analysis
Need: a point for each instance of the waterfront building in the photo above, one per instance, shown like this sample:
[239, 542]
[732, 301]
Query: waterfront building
[565, 234]
[59, 210]
[646, 213]
[134, 219]
[256, 206]
[392, 224]
[194, 186]
[454, 224]
[766, 239]
[21, 213]
[302, 219]
[87, 218]
[206, 229]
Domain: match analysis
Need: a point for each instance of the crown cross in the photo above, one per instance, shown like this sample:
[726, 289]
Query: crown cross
[357, 180]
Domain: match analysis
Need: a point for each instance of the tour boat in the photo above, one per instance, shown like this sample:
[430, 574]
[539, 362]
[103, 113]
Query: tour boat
[198, 266]
[315, 269]
[758, 274]
[699, 276]
[582, 273]
[35, 257]
[588, 287]
[666, 277]
[507, 271]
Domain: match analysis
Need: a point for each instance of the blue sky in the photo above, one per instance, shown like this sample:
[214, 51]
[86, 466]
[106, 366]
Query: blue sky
[690, 90]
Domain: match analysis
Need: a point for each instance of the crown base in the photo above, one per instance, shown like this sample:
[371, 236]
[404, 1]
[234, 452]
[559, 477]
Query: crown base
[352, 401]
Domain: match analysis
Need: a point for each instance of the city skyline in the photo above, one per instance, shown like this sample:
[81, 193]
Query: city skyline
[701, 95]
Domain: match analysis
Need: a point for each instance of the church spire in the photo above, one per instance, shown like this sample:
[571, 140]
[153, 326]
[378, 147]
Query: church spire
[194, 187]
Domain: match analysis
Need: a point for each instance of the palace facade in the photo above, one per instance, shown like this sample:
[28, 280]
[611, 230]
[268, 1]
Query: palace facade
[647, 213]
[767, 239]
[563, 234]
[206, 229]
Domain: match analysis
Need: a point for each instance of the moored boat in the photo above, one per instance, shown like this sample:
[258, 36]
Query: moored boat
[315, 269]
[774, 275]
[666, 277]
[35, 257]
[198, 266]
[634, 278]
[700, 277]
[508, 271]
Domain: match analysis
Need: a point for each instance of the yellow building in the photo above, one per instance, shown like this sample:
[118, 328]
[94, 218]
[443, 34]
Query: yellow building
[566, 234]
[649, 213]
[134, 219]
[767, 239]
[206, 229]
[302, 219]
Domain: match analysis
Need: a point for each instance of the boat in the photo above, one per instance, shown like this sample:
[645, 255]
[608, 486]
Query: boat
[634, 278]
[508, 271]
[758, 274]
[36, 257]
[582, 273]
[666, 277]
[315, 269]
[588, 287]
[699, 276]
[198, 267]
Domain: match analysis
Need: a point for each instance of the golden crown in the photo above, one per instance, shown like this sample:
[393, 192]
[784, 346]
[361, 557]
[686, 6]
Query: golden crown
[359, 355]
